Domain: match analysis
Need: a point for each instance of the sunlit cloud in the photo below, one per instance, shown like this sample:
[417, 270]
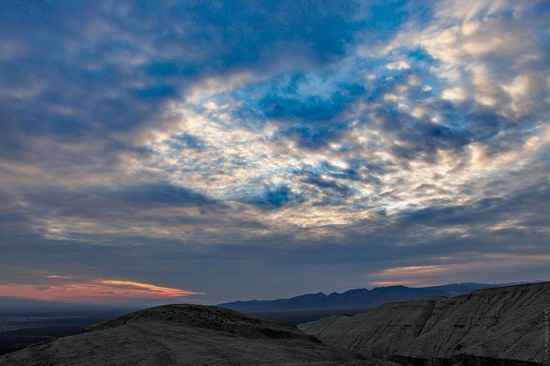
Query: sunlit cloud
[94, 291]
[479, 266]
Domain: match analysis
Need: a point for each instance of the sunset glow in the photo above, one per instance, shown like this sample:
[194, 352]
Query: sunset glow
[95, 291]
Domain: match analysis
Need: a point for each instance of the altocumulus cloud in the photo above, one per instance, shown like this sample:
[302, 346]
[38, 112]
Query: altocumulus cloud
[337, 144]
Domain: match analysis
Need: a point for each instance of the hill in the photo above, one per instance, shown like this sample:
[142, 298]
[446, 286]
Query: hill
[497, 326]
[186, 335]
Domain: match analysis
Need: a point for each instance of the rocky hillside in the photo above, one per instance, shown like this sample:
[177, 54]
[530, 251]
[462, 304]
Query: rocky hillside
[187, 335]
[499, 326]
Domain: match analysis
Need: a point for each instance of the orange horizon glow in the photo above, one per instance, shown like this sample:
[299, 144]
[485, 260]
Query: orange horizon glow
[437, 274]
[94, 290]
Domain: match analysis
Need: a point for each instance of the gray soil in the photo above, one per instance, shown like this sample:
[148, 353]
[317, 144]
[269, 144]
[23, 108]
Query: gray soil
[500, 326]
[187, 335]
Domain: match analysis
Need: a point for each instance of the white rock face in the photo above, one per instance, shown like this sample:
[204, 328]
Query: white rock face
[500, 326]
[187, 335]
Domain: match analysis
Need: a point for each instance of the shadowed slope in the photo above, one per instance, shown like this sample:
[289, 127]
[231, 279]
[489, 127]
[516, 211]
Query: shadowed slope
[502, 326]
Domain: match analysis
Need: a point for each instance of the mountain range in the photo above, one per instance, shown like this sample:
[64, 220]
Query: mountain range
[353, 299]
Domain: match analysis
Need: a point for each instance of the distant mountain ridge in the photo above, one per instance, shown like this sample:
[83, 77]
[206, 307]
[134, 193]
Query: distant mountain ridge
[354, 299]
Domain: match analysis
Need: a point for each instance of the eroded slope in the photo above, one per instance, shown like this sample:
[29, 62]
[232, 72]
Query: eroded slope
[500, 325]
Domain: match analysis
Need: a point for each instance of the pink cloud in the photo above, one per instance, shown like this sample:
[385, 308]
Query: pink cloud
[101, 291]
[477, 266]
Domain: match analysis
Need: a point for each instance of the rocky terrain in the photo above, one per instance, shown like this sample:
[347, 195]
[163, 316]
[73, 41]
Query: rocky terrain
[499, 326]
[187, 335]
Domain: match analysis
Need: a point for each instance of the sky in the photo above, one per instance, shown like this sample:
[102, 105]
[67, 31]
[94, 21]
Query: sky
[209, 151]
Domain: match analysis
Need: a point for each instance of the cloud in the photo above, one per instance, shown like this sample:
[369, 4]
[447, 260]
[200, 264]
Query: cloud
[159, 194]
[214, 135]
[483, 266]
[94, 291]
[150, 289]
[120, 66]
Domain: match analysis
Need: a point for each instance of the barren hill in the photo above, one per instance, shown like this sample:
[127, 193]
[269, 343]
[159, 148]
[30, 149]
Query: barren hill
[499, 326]
[186, 335]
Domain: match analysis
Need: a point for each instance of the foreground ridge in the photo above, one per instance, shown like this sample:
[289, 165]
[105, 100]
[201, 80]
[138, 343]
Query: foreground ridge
[498, 326]
[187, 335]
